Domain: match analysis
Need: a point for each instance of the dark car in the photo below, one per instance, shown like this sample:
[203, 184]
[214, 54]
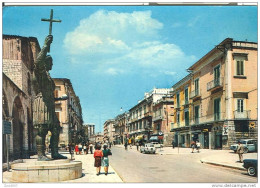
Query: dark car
[251, 166]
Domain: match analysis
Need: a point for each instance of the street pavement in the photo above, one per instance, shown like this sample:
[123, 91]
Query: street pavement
[225, 158]
[88, 172]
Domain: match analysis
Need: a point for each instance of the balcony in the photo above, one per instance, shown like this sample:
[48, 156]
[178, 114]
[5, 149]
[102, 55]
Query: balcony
[208, 118]
[157, 118]
[195, 94]
[242, 115]
[147, 114]
[215, 84]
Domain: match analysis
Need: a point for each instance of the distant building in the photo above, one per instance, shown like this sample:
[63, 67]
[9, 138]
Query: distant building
[141, 124]
[120, 128]
[99, 137]
[68, 111]
[109, 130]
[90, 131]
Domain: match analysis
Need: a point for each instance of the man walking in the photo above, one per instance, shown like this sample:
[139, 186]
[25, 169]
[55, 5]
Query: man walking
[240, 151]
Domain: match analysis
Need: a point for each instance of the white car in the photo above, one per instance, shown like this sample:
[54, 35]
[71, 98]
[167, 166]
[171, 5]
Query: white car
[250, 145]
[157, 145]
[148, 148]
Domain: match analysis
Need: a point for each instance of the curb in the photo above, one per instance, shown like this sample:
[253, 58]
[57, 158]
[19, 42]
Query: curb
[223, 165]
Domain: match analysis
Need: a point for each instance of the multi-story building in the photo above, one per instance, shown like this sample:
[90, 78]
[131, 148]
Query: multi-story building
[109, 130]
[140, 116]
[182, 110]
[19, 55]
[223, 95]
[91, 132]
[163, 111]
[120, 128]
[68, 110]
[99, 137]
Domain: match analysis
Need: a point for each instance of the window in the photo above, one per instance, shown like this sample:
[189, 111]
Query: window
[58, 115]
[186, 114]
[186, 95]
[140, 125]
[217, 109]
[178, 118]
[144, 109]
[217, 75]
[196, 114]
[240, 105]
[240, 68]
[172, 124]
[178, 99]
[196, 87]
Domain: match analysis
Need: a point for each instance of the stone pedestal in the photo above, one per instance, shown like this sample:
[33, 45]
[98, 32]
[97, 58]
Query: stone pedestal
[31, 171]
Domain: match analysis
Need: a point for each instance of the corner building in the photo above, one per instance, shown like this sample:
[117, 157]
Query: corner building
[222, 96]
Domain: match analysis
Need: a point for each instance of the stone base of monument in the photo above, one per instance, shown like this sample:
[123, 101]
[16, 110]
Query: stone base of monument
[32, 170]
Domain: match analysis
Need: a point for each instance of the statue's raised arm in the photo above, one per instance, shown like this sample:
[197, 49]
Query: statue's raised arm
[40, 61]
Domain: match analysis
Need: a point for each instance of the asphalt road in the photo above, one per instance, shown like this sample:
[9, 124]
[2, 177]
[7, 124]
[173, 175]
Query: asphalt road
[135, 167]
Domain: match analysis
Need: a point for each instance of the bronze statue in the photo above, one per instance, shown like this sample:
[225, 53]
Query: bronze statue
[44, 116]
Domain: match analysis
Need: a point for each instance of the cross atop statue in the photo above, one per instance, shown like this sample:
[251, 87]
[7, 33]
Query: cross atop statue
[50, 20]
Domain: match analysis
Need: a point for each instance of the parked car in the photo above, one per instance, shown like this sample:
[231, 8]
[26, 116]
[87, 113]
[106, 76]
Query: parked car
[148, 148]
[156, 144]
[250, 145]
[251, 166]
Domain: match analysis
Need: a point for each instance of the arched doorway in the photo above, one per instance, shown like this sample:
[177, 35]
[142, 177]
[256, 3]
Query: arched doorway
[18, 129]
[5, 116]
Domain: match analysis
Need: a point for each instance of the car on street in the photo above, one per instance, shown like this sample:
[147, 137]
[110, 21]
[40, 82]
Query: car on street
[251, 166]
[148, 148]
[250, 145]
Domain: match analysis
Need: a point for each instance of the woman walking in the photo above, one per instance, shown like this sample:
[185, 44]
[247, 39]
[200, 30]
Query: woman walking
[77, 149]
[105, 160]
[98, 154]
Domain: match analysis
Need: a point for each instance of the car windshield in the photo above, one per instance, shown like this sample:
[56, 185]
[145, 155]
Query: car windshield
[242, 141]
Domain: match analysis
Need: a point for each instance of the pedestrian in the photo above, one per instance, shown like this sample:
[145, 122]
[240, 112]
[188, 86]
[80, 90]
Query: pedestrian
[98, 154]
[173, 144]
[126, 145]
[77, 149]
[192, 146]
[105, 160]
[130, 143]
[91, 148]
[198, 145]
[85, 149]
[137, 145]
[240, 151]
[80, 148]
[71, 150]
[110, 144]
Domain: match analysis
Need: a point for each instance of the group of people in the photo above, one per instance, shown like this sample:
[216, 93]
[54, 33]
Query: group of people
[83, 149]
[101, 158]
[195, 145]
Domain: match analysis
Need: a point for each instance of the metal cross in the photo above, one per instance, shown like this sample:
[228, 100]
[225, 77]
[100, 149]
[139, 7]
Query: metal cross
[50, 20]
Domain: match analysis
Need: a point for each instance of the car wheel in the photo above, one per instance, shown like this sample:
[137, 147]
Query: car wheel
[251, 171]
[245, 150]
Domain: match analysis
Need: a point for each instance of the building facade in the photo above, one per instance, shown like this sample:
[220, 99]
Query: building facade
[120, 128]
[19, 55]
[163, 111]
[69, 112]
[141, 125]
[109, 131]
[223, 95]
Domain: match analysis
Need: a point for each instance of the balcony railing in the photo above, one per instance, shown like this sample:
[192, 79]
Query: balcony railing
[157, 118]
[214, 84]
[208, 118]
[195, 94]
[242, 115]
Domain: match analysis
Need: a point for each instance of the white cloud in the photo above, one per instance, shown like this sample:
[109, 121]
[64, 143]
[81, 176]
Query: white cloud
[119, 43]
[193, 21]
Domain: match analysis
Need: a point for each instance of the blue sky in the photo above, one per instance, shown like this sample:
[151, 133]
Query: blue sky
[114, 54]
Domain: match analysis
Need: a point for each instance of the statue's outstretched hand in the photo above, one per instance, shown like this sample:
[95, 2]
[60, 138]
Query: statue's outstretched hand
[48, 40]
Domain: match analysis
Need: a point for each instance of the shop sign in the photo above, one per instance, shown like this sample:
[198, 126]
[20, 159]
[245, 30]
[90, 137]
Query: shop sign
[252, 125]
[205, 130]
[225, 130]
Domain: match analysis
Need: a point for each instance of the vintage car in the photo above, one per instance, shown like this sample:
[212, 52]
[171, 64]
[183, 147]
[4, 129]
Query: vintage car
[148, 148]
[251, 166]
[250, 145]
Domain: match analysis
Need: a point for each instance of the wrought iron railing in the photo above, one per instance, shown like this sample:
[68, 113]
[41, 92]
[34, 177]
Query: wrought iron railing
[215, 83]
[242, 115]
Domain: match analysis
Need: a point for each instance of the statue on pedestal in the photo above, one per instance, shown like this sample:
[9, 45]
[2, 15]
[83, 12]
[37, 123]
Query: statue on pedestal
[44, 116]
